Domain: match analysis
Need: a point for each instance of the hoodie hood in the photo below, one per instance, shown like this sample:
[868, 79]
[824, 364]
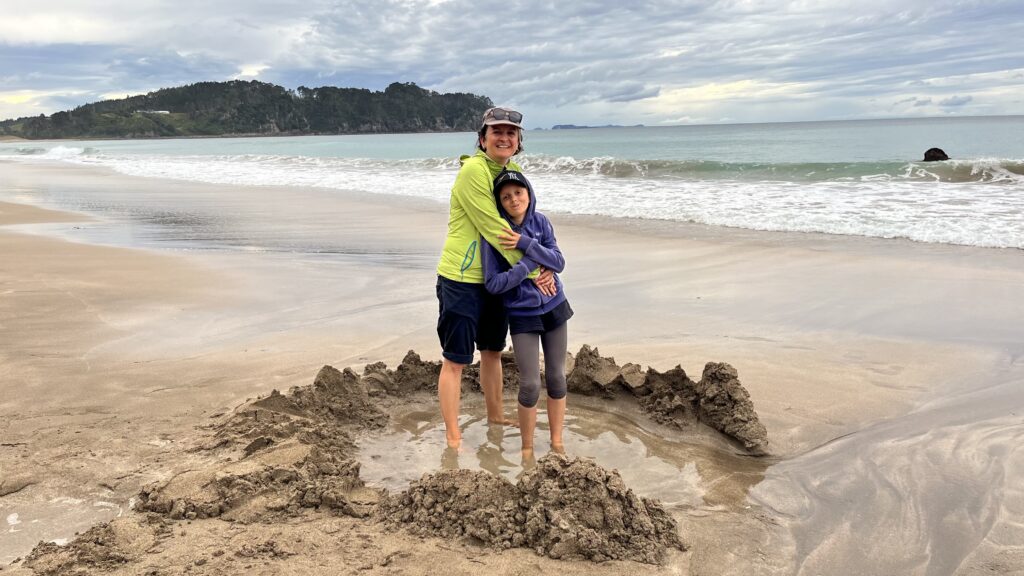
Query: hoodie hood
[513, 177]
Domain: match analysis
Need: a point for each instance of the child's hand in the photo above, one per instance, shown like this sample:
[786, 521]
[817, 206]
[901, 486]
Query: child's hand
[546, 282]
[508, 239]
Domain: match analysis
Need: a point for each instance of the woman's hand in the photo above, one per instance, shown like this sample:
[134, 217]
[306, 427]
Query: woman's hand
[508, 239]
[546, 282]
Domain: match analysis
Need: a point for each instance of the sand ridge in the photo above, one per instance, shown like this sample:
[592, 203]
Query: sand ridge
[284, 457]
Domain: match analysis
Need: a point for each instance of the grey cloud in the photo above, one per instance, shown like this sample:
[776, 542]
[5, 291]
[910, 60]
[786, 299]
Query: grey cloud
[955, 101]
[552, 55]
[629, 91]
[913, 101]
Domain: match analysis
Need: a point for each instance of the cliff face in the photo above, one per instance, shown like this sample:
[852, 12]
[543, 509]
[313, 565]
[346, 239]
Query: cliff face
[257, 108]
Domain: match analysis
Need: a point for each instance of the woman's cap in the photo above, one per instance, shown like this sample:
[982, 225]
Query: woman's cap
[498, 115]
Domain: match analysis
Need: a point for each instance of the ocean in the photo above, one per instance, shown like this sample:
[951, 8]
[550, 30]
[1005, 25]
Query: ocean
[860, 178]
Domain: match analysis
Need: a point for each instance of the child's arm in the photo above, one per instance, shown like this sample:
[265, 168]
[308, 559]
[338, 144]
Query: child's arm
[544, 250]
[473, 187]
[498, 281]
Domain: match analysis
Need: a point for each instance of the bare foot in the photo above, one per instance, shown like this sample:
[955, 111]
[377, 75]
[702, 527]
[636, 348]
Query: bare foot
[558, 448]
[454, 442]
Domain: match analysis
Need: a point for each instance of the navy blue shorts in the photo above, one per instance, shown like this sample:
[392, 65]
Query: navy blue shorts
[541, 324]
[468, 314]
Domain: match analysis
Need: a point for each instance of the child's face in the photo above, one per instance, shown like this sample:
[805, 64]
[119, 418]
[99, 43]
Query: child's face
[515, 199]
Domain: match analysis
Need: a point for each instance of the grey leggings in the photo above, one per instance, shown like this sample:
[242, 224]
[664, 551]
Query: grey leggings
[525, 346]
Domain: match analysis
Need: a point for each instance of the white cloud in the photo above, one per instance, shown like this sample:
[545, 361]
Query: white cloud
[653, 61]
[250, 71]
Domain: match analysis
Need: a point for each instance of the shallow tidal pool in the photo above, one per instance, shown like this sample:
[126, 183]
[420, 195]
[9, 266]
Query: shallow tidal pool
[693, 468]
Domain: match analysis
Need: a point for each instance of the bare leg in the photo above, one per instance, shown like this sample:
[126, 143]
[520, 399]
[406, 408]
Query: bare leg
[527, 423]
[491, 384]
[449, 392]
[556, 417]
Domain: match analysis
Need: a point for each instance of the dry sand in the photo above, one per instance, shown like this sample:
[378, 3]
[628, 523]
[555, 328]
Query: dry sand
[116, 364]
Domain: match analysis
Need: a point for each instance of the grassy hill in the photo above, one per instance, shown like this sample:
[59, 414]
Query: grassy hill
[258, 108]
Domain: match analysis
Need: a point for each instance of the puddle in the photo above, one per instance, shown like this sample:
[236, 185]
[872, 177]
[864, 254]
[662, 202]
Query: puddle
[56, 520]
[654, 461]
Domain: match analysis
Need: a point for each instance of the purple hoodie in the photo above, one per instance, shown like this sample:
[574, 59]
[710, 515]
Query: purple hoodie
[539, 248]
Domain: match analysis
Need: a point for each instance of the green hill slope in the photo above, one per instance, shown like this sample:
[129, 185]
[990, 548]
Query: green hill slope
[258, 108]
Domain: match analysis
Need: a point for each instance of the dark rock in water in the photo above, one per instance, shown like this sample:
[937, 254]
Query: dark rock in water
[725, 405]
[935, 155]
[567, 509]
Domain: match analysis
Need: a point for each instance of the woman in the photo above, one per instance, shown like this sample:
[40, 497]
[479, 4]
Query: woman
[467, 313]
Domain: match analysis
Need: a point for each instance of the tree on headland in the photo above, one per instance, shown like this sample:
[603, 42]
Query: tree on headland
[257, 108]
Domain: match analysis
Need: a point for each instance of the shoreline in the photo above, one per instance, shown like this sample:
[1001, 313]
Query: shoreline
[659, 228]
[828, 338]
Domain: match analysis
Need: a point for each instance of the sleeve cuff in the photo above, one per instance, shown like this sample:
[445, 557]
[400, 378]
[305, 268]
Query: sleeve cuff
[524, 243]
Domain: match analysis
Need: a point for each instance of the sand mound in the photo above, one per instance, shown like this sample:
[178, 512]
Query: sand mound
[280, 457]
[285, 453]
[416, 375]
[718, 400]
[100, 549]
[563, 509]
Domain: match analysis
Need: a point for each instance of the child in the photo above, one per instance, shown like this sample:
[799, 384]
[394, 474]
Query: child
[536, 318]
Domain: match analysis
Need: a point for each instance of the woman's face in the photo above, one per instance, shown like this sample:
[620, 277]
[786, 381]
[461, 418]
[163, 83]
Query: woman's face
[500, 142]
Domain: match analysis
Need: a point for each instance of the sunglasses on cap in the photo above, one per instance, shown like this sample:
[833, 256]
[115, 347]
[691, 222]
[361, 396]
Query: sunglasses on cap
[501, 114]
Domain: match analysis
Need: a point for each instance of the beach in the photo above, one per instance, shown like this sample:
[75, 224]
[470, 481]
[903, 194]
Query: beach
[120, 348]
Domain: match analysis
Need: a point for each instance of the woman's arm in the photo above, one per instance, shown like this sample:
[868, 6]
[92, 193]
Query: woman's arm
[473, 190]
[544, 250]
[498, 280]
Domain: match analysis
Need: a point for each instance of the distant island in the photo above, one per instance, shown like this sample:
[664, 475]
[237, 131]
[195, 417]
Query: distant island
[250, 108]
[575, 127]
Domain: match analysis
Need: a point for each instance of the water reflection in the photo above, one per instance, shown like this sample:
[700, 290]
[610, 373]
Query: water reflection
[690, 468]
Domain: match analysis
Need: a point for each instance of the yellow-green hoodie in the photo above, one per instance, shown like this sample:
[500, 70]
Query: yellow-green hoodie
[472, 214]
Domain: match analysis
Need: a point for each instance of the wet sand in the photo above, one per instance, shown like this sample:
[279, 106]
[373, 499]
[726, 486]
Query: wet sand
[855, 353]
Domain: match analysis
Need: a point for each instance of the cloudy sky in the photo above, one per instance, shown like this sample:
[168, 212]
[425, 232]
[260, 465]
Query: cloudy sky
[581, 62]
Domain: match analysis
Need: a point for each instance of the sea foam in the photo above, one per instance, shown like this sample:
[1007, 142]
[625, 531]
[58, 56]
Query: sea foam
[974, 202]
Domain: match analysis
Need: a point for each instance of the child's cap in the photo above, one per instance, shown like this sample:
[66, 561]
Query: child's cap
[510, 176]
